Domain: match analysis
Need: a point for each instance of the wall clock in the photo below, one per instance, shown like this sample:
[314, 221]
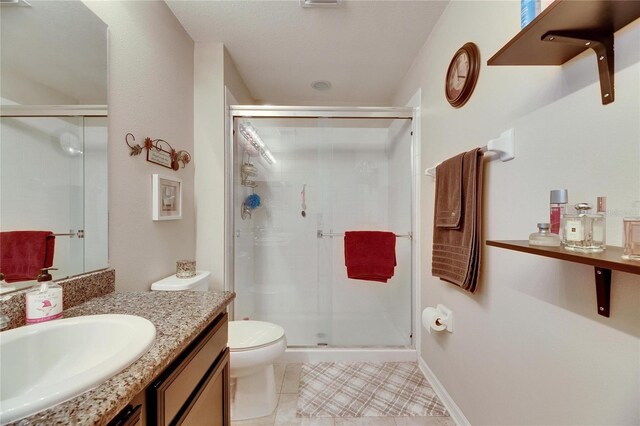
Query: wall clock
[462, 75]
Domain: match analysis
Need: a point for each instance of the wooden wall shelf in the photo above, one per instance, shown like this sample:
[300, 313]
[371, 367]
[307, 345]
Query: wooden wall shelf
[567, 28]
[603, 263]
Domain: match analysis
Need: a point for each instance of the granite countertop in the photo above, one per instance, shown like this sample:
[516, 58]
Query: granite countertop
[178, 316]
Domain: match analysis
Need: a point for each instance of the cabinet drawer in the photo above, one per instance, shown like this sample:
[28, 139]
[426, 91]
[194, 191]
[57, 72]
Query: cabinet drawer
[173, 390]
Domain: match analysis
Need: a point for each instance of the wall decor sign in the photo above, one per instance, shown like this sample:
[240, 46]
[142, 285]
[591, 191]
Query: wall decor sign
[167, 198]
[159, 152]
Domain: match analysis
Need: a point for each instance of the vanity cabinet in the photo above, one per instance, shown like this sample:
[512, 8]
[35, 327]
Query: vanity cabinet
[192, 390]
[129, 416]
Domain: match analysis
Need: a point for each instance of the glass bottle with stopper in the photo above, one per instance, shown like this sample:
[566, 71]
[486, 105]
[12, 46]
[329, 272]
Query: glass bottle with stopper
[583, 231]
[544, 237]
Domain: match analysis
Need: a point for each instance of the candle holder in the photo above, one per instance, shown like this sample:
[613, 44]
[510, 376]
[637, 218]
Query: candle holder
[185, 268]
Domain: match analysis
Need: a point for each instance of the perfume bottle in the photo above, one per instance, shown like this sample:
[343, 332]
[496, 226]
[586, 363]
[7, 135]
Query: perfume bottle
[631, 238]
[599, 224]
[558, 200]
[544, 237]
[578, 230]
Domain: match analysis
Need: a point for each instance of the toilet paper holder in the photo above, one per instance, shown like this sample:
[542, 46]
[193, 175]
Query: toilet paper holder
[446, 319]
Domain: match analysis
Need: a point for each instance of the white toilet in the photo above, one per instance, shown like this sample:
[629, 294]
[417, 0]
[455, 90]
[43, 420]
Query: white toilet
[253, 346]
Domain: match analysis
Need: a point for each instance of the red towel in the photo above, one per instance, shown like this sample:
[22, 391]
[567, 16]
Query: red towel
[370, 255]
[24, 253]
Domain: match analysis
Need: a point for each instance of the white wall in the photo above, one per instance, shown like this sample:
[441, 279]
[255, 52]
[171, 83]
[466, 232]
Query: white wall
[150, 94]
[209, 149]
[234, 83]
[528, 346]
[18, 89]
[213, 71]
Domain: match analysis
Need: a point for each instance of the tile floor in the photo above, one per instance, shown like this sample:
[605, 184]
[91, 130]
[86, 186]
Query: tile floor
[287, 378]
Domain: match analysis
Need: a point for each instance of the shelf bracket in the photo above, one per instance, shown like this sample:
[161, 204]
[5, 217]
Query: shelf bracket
[602, 45]
[603, 290]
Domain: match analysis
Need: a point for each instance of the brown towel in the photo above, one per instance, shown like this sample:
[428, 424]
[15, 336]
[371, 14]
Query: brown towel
[449, 193]
[456, 251]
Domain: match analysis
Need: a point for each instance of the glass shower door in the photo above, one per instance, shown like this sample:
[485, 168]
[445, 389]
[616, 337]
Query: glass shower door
[367, 186]
[276, 271]
[299, 184]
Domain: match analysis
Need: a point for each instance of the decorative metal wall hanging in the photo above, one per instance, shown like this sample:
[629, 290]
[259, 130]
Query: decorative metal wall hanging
[159, 152]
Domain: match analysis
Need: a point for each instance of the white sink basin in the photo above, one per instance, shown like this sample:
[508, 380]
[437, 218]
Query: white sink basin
[44, 364]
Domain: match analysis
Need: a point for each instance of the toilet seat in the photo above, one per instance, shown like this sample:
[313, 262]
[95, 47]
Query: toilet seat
[252, 335]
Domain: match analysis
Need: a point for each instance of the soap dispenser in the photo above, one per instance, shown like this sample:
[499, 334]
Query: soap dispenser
[44, 303]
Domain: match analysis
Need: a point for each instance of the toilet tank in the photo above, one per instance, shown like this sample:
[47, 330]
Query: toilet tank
[172, 283]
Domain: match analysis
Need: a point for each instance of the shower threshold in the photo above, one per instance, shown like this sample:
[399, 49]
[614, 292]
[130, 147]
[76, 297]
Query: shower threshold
[299, 354]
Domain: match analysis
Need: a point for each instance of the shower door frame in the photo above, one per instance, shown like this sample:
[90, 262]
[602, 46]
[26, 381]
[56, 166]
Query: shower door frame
[270, 111]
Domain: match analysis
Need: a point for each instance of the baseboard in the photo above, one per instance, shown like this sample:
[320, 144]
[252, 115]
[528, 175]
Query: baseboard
[454, 411]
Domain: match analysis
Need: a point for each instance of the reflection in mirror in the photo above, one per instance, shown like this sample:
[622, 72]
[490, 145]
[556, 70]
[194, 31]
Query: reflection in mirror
[53, 53]
[53, 141]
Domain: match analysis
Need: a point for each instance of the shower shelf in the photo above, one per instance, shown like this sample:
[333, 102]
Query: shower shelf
[603, 263]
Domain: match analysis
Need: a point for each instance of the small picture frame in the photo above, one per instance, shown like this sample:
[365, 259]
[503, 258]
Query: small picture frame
[167, 198]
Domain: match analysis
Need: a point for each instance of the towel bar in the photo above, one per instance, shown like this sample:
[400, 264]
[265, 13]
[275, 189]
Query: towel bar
[504, 146]
[322, 234]
[72, 233]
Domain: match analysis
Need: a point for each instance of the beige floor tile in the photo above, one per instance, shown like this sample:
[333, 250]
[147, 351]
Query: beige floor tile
[286, 414]
[364, 421]
[424, 421]
[260, 421]
[291, 378]
[278, 370]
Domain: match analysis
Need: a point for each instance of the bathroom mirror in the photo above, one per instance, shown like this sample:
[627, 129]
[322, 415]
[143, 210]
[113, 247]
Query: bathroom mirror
[53, 139]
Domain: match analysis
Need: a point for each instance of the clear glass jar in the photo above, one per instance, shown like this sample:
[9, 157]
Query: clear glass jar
[544, 237]
[583, 231]
[631, 238]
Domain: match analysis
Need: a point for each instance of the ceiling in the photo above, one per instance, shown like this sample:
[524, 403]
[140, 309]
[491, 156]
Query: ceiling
[364, 48]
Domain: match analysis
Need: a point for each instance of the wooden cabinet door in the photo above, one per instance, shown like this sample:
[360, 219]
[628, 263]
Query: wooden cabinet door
[175, 390]
[129, 416]
[211, 406]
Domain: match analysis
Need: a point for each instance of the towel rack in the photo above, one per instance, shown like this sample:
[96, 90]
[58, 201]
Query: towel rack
[504, 146]
[322, 234]
[71, 233]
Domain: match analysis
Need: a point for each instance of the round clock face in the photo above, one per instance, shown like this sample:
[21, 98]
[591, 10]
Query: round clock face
[462, 75]
[458, 75]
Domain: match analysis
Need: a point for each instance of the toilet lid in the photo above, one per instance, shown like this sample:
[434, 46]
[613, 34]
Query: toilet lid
[173, 283]
[251, 334]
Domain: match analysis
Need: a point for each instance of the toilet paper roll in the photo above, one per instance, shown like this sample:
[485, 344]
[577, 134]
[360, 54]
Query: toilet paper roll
[429, 318]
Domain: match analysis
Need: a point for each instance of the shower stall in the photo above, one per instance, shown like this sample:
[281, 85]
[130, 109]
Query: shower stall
[301, 178]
